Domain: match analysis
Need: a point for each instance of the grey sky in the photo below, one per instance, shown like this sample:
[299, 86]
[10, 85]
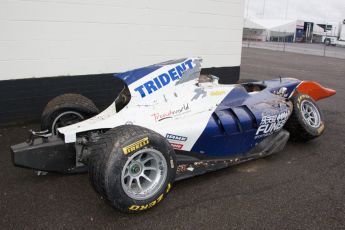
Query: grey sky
[314, 10]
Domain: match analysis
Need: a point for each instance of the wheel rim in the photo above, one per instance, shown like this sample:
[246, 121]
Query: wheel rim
[144, 174]
[310, 114]
[65, 119]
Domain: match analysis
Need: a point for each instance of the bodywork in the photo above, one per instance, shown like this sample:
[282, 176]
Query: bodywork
[204, 121]
[194, 116]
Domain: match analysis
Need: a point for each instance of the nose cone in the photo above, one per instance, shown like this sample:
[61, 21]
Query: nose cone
[51, 155]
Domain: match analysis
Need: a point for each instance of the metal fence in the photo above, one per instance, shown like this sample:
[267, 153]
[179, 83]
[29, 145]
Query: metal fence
[305, 48]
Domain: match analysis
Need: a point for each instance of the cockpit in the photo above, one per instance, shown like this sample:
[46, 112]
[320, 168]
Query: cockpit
[123, 99]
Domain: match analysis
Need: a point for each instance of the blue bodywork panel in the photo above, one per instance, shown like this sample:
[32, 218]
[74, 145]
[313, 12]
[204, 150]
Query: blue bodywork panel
[134, 75]
[242, 120]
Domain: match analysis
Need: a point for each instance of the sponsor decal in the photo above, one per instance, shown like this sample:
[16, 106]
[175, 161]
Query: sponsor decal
[171, 113]
[271, 123]
[172, 163]
[146, 206]
[321, 128]
[217, 93]
[199, 92]
[164, 79]
[136, 145]
[150, 205]
[300, 98]
[168, 188]
[176, 146]
[175, 137]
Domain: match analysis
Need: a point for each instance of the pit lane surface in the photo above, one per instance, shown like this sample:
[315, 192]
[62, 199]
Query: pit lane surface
[302, 187]
[303, 48]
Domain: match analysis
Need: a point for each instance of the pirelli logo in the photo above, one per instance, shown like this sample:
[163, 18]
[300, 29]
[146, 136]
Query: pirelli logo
[136, 145]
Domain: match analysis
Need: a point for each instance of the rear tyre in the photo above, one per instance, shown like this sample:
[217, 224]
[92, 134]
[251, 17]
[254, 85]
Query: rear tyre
[66, 109]
[132, 167]
[306, 120]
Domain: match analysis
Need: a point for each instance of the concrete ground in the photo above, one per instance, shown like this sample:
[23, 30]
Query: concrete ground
[302, 187]
[312, 49]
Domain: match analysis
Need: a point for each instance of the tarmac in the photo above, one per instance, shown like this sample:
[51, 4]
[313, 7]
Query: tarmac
[302, 187]
[303, 48]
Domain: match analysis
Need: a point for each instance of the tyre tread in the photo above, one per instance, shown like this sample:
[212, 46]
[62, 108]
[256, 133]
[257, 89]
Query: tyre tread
[295, 126]
[67, 101]
[101, 151]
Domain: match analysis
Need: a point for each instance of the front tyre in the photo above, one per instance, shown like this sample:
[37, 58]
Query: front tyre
[132, 167]
[327, 42]
[306, 120]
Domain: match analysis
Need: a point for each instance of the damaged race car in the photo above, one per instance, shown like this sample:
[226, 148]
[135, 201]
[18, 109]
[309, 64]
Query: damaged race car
[170, 122]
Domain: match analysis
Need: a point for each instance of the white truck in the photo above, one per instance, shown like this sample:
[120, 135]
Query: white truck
[338, 40]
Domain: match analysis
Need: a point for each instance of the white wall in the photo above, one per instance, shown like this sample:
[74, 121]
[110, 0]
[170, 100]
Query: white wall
[42, 38]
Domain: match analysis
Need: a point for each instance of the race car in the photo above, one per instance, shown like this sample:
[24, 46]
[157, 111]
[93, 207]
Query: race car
[169, 122]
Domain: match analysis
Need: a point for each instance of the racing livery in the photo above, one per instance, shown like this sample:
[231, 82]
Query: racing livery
[169, 123]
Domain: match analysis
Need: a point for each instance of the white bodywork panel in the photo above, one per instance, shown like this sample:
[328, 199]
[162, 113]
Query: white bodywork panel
[178, 108]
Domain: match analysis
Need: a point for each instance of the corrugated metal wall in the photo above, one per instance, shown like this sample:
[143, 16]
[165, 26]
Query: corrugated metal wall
[45, 45]
[43, 38]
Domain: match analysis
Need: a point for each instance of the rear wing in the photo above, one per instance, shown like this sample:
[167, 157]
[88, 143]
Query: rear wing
[314, 90]
[294, 86]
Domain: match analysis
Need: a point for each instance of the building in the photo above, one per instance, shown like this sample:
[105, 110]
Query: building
[278, 30]
[53, 47]
[286, 31]
[252, 31]
[269, 29]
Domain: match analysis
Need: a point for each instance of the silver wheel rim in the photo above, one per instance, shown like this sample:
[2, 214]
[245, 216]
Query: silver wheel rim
[65, 119]
[144, 174]
[310, 114]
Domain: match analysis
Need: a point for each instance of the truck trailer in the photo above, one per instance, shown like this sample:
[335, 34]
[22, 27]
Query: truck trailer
[339, 39]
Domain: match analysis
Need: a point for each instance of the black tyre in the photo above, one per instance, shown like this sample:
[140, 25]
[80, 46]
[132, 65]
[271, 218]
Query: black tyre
[132, 167]
[327, 42]
[66, 109]
[306, 120]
